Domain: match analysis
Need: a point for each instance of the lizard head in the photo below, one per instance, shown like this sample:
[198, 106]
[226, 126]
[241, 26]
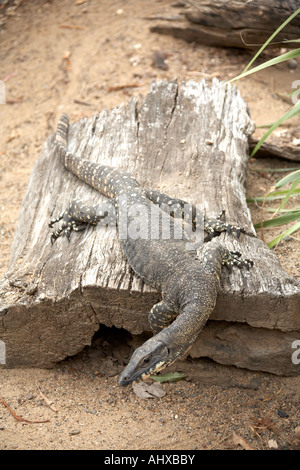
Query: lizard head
[153, 356]
[166, 346]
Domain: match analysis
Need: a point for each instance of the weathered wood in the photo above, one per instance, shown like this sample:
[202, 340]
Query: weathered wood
[190, 142]
[233, 23]
[251, 348]
[287, 151]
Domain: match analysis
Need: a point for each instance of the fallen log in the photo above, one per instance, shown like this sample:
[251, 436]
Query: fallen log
[287, 151]
[233, 23]
[190, 142]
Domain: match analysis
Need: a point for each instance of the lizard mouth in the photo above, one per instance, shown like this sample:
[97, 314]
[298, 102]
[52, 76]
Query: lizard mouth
[146, 360]
[139, 376]
[152, 371]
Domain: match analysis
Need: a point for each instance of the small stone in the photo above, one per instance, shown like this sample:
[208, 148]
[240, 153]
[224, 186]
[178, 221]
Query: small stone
[297, 432]
[282, 414]
[292, 64]
[272, 444]
[74, 432]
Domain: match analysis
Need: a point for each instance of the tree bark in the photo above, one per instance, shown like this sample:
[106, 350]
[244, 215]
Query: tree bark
[190, 142]
[233, 23]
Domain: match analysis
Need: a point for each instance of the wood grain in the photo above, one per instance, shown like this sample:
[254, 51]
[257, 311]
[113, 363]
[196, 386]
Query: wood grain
[190, 142]
[232, 23]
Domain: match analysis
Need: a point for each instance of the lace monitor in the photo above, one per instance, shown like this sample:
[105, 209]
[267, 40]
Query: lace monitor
[188, 285]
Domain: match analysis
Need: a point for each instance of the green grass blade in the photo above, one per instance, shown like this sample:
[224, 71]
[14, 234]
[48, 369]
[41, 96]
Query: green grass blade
[272, 37]
[273, 196]
[270, 209]
[283, 192]
[289, 194]
[269, 198]
[263, 126]
[281, 220]
[295, 176]
[295, 110]
[280, 237]
[273, 170]
[269, 63]
[291, 40]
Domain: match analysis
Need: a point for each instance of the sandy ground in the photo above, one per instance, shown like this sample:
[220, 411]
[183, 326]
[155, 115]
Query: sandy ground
[77, 56]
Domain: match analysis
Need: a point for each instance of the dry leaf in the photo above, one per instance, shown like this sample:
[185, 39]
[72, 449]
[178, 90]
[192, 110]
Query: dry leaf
[260, 425]
[140, 389]
[239, 440]
[143, 390]
[156, 390]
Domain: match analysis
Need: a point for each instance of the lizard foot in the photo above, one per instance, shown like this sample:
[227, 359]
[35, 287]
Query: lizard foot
[215, 226]
[68, 225]
[233, 258]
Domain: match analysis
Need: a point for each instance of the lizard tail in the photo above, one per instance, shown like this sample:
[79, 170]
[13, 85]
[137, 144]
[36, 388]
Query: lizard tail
[62, 135]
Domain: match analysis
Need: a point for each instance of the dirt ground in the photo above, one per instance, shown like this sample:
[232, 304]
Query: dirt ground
[80, 57]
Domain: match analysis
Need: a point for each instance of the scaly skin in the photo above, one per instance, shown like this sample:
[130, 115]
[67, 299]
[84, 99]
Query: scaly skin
[189, 287]
[198, 289]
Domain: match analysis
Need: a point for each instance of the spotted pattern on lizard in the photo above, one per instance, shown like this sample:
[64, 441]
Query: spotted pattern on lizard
[188, 286]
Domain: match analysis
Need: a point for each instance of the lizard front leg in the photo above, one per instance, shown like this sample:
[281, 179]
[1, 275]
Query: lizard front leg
[161, 315]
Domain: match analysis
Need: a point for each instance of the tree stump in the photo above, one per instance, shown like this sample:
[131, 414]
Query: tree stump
[232, 23]
[190, 142]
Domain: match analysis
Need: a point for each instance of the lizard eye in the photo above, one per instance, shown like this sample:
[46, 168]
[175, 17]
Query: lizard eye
[146, 360]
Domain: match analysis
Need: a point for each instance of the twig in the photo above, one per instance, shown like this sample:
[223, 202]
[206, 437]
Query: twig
[225, 438]
[71, 26]
[83, 103]
[19, 418]
[47, 401]
[121, 87]
[202, 74]
[8, 76]
[14, 100]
